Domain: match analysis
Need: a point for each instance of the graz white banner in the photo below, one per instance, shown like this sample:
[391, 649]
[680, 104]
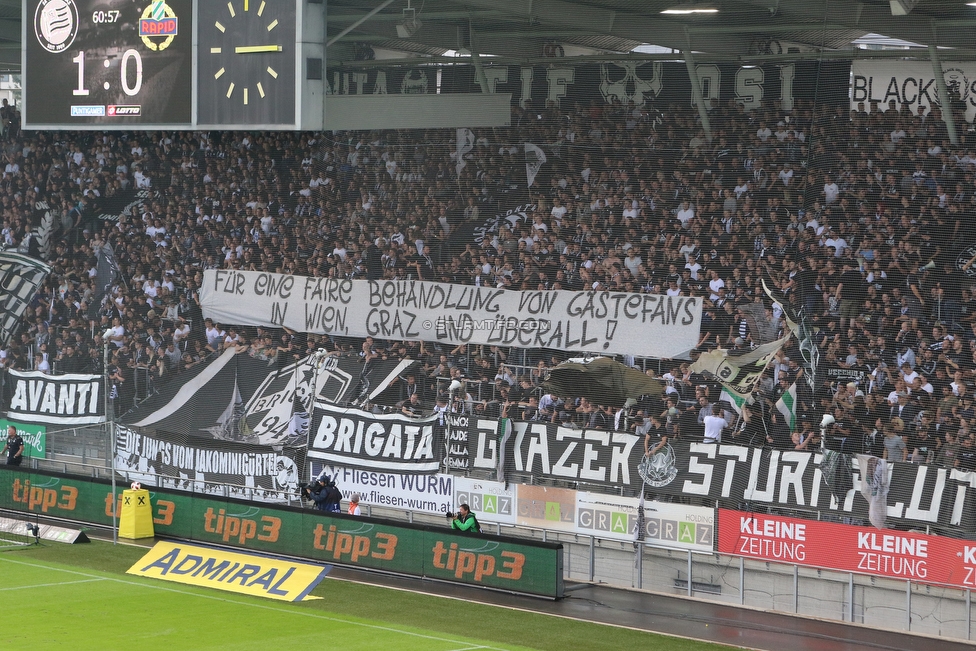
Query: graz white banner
[491, 501]
[912, 83]
[645, 325]
[423, 493]
[676, 526]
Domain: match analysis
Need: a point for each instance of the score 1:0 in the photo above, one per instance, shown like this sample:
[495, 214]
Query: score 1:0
[123, 70]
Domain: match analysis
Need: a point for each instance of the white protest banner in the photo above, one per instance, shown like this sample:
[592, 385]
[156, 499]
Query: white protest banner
[646, 325]
[675, 526]
[912, 83]
[419, 493]
[491, 501]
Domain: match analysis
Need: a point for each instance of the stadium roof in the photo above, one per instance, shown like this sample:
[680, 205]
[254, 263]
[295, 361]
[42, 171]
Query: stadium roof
[522, 29]
[739, 29]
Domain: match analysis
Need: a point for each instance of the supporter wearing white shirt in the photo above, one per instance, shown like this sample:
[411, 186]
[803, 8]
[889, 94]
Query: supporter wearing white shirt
[714, 425]
[786, 175]
[558, 211]
[685, 214]
[836, 242]
[831, 191]
[714, 285]
[764, 132]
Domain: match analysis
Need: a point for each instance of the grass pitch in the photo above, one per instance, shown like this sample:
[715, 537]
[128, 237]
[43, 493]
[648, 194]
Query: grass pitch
[78, 597]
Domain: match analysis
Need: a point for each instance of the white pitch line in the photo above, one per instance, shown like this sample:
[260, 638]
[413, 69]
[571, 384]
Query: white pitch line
[302, 613]
[50, 585]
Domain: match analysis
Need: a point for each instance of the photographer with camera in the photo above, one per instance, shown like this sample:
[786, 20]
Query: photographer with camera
[325, 494]
[464, 520]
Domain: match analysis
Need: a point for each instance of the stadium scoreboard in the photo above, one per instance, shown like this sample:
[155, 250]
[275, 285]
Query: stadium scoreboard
[172, 64]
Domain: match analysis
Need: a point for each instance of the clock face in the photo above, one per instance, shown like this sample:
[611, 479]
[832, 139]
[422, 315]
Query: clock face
[246, 56]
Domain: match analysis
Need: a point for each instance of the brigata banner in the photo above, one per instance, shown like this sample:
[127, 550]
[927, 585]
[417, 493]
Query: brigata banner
[847, 548]
[911, 83]
[500, 562]
[355, 438]
[647, 325]
[251, 574]
[36, 397]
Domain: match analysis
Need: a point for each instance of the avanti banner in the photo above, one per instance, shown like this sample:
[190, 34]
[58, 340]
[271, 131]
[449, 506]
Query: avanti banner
[74, 399]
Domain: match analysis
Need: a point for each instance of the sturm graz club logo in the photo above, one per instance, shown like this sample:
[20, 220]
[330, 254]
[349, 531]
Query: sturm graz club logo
[56, 24]
[956, 82]
[284, 399]
[659, 469]
[965, 257]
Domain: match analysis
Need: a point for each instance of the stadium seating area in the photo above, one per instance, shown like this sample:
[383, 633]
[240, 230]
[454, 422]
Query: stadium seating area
[861, 218]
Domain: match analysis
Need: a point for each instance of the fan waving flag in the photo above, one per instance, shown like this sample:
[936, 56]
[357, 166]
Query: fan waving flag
[465, 143]
[787, 406]
[534, 159]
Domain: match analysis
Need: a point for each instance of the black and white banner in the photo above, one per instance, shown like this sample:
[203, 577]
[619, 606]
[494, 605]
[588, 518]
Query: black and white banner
[239, 398]
[642, 82]
[911, 83]
[34, 397]
[200, 465]
[123, 204]
[918, 495]
[646, 325]
[20, 277]
[353, 438]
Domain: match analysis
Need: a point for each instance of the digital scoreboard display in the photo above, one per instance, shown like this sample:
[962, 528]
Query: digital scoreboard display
[120, 63]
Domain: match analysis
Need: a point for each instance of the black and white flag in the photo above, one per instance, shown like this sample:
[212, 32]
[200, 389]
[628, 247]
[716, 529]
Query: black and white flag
[465, 143]
[20, 277]
[534, 159]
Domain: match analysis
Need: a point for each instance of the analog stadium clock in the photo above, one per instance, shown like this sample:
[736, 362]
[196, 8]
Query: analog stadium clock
[103, 65]
[246, 58]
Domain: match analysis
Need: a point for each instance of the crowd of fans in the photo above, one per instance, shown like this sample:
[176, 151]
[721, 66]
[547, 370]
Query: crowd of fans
[858, 217]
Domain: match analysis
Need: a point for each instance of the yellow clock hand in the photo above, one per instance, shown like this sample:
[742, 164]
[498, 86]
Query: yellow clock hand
[253, 49]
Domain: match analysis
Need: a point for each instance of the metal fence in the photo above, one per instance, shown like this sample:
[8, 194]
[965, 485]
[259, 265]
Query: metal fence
[842, 596]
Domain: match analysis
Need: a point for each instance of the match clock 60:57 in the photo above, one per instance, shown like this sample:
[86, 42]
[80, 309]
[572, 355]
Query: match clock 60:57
[107, 65]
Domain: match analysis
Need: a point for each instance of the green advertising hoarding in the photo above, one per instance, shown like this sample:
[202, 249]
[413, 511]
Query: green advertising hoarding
[432, 552]
[35, 437]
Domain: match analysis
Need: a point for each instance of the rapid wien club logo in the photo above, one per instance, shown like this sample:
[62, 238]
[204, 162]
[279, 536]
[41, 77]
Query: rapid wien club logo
[56, 24]
[158, 26]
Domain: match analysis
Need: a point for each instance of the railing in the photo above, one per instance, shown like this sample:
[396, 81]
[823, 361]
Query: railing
[843, 596]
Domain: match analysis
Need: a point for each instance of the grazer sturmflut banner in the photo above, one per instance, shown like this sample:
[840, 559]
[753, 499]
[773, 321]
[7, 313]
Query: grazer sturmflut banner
[918, 495]
[34, 397]
[20, 276]
[200, 464]
[647, 325]
[354, 438]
